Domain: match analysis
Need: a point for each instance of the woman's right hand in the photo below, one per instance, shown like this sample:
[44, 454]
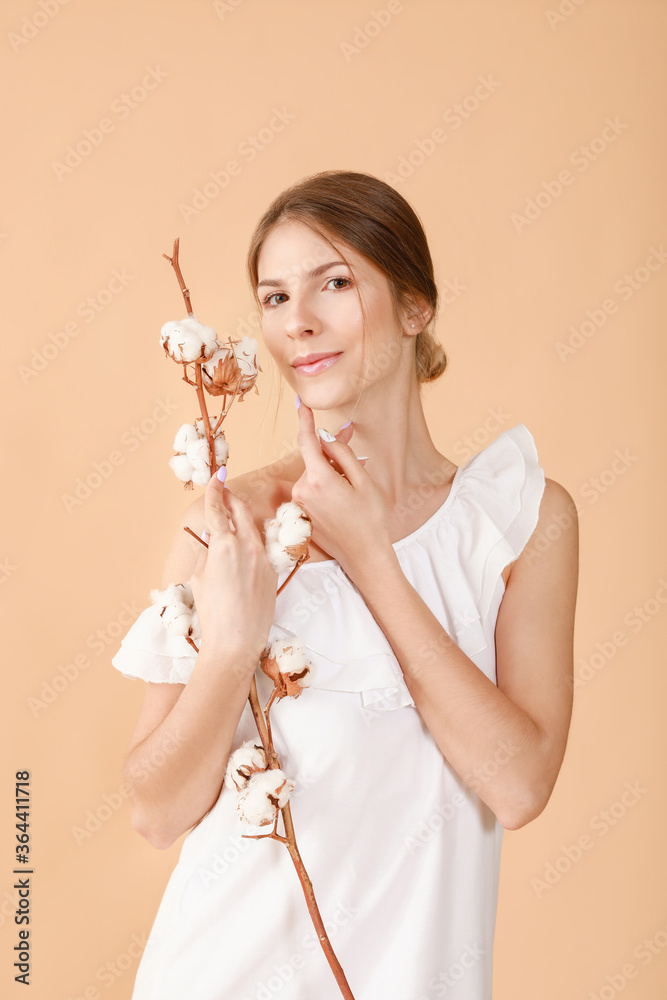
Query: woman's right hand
[233, 582]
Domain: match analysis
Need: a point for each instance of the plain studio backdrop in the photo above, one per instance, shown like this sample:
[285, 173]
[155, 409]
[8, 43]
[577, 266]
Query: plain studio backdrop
[529, 137]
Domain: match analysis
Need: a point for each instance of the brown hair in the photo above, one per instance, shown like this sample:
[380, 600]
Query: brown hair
[370, 216]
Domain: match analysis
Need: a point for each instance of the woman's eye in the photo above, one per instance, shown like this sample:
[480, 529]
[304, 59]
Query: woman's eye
[267, 300]
[272, 305]
[339, 279]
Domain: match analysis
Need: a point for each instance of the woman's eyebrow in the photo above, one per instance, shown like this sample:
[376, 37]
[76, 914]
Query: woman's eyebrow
[275, 282]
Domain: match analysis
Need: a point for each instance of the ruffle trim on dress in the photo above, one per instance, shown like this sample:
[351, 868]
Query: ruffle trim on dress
[454, 560]
[150, 652]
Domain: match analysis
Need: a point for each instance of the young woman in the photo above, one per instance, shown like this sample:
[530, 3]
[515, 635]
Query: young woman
[437, 612]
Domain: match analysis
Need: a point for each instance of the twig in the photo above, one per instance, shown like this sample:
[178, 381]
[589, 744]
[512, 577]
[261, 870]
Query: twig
[177, 268]
[174, 261]
[290, 842]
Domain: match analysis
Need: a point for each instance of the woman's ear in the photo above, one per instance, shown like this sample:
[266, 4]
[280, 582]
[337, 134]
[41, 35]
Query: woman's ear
[417, 315]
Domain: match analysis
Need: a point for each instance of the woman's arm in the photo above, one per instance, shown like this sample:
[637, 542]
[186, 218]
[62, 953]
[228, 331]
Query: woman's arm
[506, 741]
[178, 753]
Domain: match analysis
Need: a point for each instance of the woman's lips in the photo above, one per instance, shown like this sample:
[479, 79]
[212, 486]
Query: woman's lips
[317, 366]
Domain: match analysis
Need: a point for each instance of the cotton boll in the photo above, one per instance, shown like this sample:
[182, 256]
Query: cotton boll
[178, 617]
[186, 594]
[185, 434]
[286, 536]
[285, 662]
[201, 429]
[290, 656]
[264, 794]
[232, 370]
[246, 355]
[173, 593]
[271, 529]
[221, 449]
[187, 340]
[201, 477]
[181, 467]
[176, 603]
[294, 524]
[244, 761]
[195, 634]
[198, 456]
[279, 559]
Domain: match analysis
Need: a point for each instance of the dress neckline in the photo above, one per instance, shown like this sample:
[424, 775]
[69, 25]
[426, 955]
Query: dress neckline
[413, 534]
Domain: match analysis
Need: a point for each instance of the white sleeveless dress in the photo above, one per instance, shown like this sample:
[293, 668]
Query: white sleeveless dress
[404, 858]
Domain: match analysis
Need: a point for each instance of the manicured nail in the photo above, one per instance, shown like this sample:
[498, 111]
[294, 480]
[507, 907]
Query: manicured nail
[222, 474]
[362, 458]
[297, 402]
[342, 426]
[326, 435]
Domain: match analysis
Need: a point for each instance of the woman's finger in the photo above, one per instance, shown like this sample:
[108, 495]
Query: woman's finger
[240, 513]
[345, 459]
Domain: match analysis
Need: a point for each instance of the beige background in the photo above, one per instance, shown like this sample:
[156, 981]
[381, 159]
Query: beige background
[559, 70]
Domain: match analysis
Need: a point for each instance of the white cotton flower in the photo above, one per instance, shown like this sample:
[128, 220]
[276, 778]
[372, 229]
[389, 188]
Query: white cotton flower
[221, 449]
[286, 536]
[246, 356]
[278, 558]
[264, 794]
[201, 477]
[191, 463]
[187, 340]
[185, 434]
[286, 663]
[177, 609]
[291, 658]
[197, 452]
[294, 525]
[244, 761]
[180, 466]
[232, 370]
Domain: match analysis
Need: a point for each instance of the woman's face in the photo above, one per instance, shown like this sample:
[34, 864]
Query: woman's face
[310, 305]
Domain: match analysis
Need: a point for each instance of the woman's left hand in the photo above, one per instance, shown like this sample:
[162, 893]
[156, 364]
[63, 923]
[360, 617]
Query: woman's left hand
[349, 514]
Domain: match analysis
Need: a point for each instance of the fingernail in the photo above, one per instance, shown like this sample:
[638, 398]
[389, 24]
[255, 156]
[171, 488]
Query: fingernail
[342, 426]
[362, 458]
[297, 402]
[326, 435]
[222, 474]
[205, 536]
